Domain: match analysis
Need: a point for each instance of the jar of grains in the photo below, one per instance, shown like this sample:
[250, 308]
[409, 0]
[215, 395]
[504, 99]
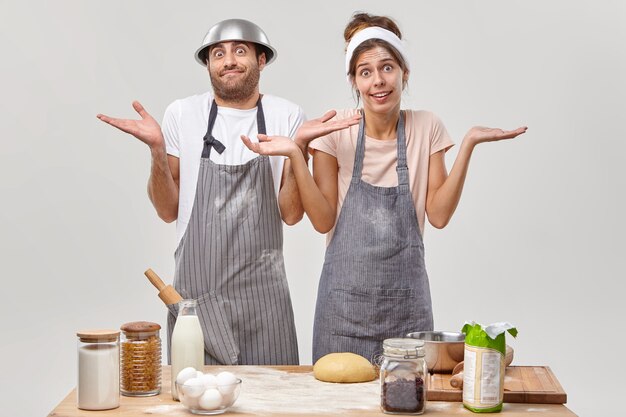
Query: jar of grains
[403, 376]
[140, 370]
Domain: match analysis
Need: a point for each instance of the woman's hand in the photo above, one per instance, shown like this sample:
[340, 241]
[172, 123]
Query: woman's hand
[315, 128]
[146, 130]
[480, 134]
[272, 145]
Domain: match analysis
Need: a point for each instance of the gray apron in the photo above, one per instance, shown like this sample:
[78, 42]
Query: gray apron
[374, 284]
[230, 260]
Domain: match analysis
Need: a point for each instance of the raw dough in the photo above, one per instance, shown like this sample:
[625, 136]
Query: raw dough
[343, 367]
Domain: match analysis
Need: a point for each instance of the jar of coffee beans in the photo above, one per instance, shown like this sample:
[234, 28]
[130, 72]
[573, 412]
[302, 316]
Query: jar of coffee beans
[403, 377]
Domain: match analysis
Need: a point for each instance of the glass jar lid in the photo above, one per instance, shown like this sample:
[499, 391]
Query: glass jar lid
[140, 329]
[404, 347]
[98, 335]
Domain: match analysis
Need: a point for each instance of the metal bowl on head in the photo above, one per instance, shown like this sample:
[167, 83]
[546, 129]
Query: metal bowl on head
[443, 349]
[235, 30]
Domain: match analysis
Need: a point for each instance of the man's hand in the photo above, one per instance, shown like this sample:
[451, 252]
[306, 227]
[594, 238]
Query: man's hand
[146, 130]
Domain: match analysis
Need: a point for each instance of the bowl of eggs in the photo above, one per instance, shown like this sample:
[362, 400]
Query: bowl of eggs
[207, 394]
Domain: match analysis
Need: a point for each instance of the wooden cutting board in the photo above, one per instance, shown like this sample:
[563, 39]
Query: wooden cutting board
[522, 384]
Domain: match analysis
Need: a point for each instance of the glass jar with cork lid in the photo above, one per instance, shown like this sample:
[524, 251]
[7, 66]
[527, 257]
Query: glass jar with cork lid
[403, 377]
[140, 373]
[98, 385]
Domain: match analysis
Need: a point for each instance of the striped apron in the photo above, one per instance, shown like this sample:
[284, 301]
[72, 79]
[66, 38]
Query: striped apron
[374, 283]
[230, 260]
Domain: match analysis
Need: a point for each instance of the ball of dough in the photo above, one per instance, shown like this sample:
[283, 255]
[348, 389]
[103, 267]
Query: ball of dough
[343, 367]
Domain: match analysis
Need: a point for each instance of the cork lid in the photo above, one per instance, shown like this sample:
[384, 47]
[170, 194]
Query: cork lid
[140, 327]
[98, 335]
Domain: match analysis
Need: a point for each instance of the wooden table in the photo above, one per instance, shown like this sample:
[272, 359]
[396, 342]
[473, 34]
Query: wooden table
[291, 390]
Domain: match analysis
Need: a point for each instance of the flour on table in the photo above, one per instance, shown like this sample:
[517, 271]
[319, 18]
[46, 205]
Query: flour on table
[166, 409]
[271, 391]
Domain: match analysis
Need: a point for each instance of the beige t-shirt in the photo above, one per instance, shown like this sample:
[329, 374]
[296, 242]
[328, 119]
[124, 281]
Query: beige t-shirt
[425, 135]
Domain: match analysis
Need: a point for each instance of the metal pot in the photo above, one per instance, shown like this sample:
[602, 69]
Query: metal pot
[443, 349]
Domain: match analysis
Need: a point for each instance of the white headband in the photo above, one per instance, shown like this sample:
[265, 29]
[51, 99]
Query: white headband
[374, 32]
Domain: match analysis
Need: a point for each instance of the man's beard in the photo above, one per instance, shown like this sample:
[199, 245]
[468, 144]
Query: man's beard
[238, 91]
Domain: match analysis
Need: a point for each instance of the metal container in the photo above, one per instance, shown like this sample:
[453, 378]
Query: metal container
[444, 350]
[235, 30]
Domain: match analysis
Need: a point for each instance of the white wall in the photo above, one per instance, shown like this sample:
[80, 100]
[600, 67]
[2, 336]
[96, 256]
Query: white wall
[537, 239]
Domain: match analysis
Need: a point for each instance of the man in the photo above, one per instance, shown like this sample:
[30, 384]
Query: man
[227, 201]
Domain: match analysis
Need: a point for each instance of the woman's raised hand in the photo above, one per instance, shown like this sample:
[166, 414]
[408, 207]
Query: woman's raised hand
[480, 134]
[315, 128]
[146, 130]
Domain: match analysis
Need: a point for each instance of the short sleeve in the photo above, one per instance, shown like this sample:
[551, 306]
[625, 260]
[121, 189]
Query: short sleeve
[170, 129]
[439, 136]
[295, 121]
[326, 144]
[330, 143]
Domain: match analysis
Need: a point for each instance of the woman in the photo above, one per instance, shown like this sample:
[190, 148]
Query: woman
[371, 188]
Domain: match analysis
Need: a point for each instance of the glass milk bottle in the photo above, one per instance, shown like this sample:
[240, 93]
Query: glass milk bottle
[98, 385]
[187, 348]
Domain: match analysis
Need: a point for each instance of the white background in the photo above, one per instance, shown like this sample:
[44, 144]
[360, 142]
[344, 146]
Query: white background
[537, 239]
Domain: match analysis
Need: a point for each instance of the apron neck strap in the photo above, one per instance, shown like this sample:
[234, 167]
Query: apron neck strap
[209, 140]
[401, 166]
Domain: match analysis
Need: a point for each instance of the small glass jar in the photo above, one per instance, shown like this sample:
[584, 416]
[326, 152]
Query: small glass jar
[140, 374]
[403, 377]
[98, 385]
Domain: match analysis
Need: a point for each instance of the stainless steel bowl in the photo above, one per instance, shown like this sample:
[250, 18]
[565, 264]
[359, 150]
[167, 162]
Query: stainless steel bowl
[443, 349]
[235, 30]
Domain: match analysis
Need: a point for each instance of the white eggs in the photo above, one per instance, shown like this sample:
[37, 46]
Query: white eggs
[228, 399]
[211, 399]
[226, 382]
[199, 391]
[209, 381]
[193, 388]
[190, 402]
[185, 374]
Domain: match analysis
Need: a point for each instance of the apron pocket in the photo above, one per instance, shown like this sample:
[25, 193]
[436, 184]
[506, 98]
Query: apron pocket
[219, 341]
[371, 313]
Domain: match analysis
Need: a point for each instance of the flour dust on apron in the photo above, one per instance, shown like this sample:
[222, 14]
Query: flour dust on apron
[374, 284]
[231, 260]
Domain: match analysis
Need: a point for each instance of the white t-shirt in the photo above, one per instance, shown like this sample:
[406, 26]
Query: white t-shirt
[185, 124]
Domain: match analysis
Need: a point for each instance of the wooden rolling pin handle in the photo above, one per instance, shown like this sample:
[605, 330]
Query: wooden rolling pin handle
[154, 279]
[167, 293]
[508, 355]
[456, 381]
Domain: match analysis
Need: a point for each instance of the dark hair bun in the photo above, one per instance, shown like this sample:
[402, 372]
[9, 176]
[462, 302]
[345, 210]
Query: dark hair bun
[362, 20]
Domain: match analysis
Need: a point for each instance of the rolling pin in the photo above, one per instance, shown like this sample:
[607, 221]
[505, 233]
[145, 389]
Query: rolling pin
[167, 293]
[456, 381]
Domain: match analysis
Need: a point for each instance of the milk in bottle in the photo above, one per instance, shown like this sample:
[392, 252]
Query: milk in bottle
[187, 348]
